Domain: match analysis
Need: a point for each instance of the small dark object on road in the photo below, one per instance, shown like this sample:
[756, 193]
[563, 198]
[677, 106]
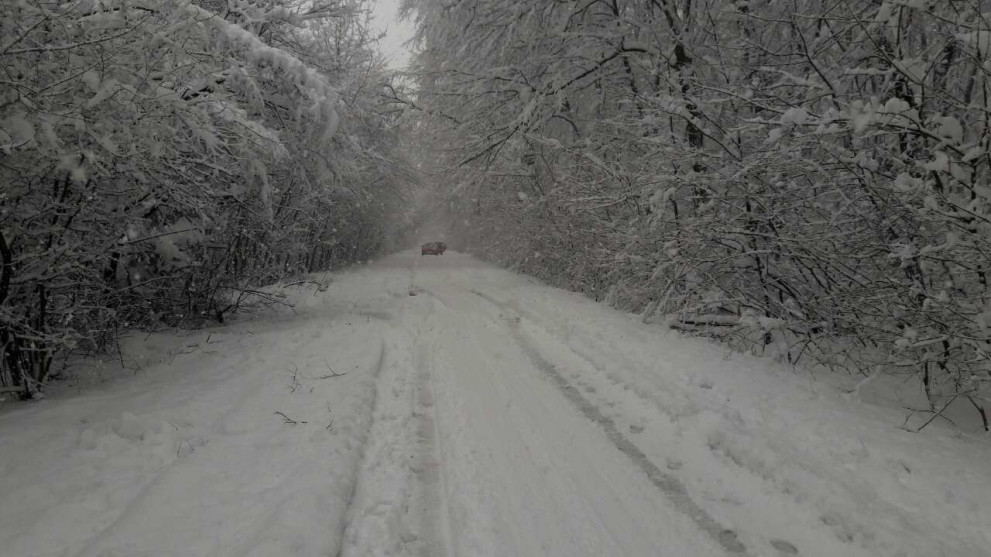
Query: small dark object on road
[433, 248]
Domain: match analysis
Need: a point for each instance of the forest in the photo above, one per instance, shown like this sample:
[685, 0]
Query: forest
[804, 179]
[162, 159]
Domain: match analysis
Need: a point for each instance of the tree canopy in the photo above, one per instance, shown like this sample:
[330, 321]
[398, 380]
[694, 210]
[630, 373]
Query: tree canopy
[813, 172]
[158, 158]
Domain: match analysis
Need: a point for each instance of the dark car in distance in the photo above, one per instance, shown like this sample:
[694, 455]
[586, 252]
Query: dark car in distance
[433, 248]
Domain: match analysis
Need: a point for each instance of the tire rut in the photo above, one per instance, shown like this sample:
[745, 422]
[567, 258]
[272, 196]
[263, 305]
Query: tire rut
[673, 488]
[363, 451]
[427, 501]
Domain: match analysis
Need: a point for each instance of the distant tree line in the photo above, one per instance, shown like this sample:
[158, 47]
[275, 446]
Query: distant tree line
[160, 157]
[809, 177]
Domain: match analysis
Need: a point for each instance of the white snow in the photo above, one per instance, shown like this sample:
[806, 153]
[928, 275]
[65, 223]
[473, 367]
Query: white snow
[446, 407]
[948, 127]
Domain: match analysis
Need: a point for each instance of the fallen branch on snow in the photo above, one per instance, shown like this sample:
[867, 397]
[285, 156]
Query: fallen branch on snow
[289, 420]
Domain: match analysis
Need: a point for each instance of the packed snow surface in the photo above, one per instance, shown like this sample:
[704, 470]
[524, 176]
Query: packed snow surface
[438, 406]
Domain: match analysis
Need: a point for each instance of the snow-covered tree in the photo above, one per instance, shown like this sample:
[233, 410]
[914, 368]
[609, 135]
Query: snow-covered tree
[157, 157]
[809, 171]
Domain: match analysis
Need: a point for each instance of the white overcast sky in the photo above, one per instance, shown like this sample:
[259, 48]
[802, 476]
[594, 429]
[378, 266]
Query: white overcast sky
[385, 18]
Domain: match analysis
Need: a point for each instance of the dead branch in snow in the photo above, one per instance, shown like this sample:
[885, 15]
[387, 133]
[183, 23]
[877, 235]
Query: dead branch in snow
[288, 420]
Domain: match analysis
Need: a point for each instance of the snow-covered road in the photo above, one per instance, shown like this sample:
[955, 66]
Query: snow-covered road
[438, 406]
[510, 458]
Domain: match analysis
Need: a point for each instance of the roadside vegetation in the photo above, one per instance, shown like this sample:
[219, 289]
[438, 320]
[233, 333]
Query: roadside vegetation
[802, 178]
[160, 159]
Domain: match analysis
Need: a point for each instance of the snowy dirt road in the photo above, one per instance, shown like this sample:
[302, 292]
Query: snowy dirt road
[446, 408]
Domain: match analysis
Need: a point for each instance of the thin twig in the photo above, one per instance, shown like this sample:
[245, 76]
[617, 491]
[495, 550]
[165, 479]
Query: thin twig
[289, 420]
[295, 382]
[939, 414]
[332, 372]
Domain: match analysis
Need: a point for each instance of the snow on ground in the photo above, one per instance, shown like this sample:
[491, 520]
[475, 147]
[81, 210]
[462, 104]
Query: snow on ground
[444, 407]
[189, 456]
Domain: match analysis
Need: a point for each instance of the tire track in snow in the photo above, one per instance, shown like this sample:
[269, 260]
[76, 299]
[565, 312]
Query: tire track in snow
[364, 440]
[180, 474]
[397, 507]
[426, 498]
[427, 501]
[670, 486]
